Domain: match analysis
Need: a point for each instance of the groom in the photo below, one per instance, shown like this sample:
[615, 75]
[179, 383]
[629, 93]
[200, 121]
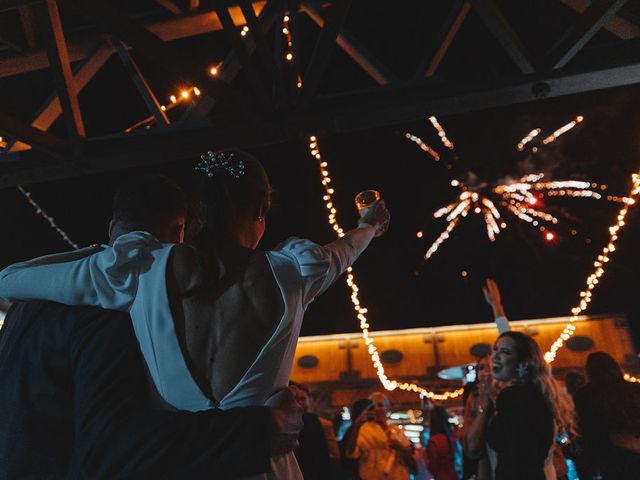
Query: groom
[76, 397]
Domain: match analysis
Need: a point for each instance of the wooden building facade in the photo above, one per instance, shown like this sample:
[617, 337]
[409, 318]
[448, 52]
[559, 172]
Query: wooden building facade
[339, 370]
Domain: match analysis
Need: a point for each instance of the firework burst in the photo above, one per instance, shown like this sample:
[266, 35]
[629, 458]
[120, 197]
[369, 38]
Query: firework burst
[521, 199]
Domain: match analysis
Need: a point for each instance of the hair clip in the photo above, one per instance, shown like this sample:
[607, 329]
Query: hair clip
[221, 160]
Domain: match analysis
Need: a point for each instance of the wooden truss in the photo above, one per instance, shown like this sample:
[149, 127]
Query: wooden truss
[269, 111]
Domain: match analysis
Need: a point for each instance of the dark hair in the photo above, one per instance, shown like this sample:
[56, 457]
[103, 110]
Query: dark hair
[603, 370]
[574, 381]
[439, 423]
[358, 407]
[617, 401]
[224, 201]
[148, 201]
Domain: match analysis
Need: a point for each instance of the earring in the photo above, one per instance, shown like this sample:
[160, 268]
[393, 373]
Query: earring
[522, 370]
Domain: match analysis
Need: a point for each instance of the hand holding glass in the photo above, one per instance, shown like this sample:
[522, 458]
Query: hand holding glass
[372, 210]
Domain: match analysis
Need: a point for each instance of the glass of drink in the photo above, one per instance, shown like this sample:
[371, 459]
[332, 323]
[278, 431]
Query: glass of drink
[365, 200]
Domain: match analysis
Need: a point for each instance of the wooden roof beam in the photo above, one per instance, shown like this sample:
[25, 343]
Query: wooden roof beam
[12, 127]
[83, 73]
[174, 28]
[609, 67]
[141, 84]
[587, 25]
[358, 53]
[61, 72]
[322, 52]
[617, 25]
[170, 6]
[500, 28]
[146, 43]
[243, 55]
[26, 18]
[447, 33]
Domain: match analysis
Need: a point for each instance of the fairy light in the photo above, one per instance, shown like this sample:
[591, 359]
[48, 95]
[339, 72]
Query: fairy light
[244, 31]
[49, 219]
[174, 101]
[361, 310]
[593, 279]
[425, 148]
[530, 136]
[631, 378]
[562, 130]
[286, 32]
[441, 133]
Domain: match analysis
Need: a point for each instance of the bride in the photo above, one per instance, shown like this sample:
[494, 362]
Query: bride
[217, 320]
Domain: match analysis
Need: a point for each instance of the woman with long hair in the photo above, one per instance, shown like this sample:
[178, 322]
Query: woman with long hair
[608, 411]
[442, 445]
[217, 320]
[531, 410]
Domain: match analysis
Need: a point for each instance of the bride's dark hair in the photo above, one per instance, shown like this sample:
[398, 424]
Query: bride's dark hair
[225, 200]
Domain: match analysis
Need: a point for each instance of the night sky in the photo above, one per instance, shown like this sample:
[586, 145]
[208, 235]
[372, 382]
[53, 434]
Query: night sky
[537, 278]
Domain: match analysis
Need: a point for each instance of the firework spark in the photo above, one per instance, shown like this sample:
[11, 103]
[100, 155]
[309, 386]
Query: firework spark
[522, 199]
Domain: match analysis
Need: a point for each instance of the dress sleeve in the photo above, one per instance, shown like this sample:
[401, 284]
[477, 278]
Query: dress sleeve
[320, 265]
[105, 277]
[502, 323]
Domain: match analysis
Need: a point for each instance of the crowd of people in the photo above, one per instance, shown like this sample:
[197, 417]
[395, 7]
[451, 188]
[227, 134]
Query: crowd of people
[167, 354]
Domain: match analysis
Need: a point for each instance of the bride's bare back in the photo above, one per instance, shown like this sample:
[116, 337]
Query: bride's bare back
[223, 325]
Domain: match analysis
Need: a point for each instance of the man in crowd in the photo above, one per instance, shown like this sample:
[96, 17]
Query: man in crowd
[318, 455]
[383, 451]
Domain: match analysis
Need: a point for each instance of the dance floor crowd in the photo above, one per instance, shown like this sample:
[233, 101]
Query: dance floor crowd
[167, 352]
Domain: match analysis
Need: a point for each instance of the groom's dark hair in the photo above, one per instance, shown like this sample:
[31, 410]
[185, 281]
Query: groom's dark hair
[147, 201]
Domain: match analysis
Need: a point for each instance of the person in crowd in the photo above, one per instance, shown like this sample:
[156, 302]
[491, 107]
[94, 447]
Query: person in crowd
[478, 412]
[77, 402]
[480, 458]
[573, 382]
[382, 450]
[442, 445]
[608, 411]
[317, 455]
[216, 319]
[530, 410]
[469, 465]
[350, 465]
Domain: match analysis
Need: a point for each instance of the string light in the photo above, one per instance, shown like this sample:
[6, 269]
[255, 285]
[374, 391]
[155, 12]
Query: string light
[244, 31]
[425, 148]
[174, 101]
[593, 279]
[631, 378]
[49, 219]
[441, 133]
[360, 310]
[286, 31]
